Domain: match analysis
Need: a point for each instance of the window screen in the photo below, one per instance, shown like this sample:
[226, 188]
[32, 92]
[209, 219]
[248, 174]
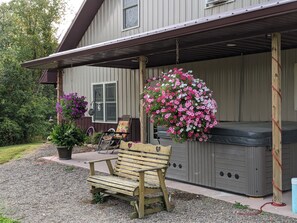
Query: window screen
[130, 13]
[105, 102]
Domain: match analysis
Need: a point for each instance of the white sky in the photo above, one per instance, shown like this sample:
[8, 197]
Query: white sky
[71, 10]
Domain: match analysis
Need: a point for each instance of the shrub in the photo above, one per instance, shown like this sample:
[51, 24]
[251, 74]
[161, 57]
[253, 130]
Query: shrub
[93, 139]
[96, 137]
[10, 132]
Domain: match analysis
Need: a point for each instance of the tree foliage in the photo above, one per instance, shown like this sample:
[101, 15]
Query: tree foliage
[27, 32]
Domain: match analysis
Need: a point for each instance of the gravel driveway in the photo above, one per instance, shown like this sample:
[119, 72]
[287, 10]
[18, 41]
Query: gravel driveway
[34, 190]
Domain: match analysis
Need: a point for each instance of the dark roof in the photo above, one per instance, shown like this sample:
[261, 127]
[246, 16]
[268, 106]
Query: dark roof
[200, 39]
[80, 24]
[74, 34]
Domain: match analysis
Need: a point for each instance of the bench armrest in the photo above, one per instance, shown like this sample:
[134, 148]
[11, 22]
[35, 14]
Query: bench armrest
[109, 164]
[151, 169]
[101, 160]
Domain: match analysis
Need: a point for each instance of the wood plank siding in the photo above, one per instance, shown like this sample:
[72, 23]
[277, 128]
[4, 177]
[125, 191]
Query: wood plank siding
[86, 122]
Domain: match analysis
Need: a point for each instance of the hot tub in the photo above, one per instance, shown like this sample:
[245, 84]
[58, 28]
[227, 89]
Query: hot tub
[236, 158]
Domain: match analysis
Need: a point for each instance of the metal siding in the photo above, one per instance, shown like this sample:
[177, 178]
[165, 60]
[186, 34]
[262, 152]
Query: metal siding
[107, 24]
[222, 76]
[80, 80]
[257, 88]
[289, 58]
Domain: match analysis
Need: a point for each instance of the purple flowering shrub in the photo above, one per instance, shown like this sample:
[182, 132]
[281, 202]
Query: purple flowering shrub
[182, 103]
[71, 106]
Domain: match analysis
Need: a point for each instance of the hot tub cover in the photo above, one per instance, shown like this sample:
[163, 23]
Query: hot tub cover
[246, 133]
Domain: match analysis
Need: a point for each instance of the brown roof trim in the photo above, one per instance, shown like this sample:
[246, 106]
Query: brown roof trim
[80, 24]
[48, 77]
[74, 34]
[228, 19]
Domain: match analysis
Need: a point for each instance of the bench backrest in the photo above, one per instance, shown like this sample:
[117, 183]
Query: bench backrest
[134, 156]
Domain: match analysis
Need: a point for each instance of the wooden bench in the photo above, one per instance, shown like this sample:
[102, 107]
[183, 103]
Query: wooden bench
[138, 176]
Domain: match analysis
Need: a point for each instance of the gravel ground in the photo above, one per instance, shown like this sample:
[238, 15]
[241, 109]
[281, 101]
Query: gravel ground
[34, 190]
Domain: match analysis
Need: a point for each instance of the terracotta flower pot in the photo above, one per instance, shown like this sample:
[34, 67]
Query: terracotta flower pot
[64, 152]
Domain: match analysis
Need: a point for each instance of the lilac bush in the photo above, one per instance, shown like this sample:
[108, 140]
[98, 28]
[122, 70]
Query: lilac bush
[71, 106]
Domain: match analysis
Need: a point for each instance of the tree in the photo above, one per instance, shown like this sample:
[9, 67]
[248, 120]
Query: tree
[27, 32]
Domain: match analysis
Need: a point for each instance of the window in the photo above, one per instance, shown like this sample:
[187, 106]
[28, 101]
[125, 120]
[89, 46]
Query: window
[213, 3]
[130, 14]
[105, 102]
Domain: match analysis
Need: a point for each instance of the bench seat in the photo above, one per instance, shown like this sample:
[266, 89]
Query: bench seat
[138, 176]
[118, 184]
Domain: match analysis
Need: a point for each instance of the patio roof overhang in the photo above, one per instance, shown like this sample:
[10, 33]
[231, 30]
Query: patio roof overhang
[202, 39]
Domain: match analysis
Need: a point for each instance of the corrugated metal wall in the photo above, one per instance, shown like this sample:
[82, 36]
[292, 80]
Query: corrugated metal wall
[154, 14]
[80, 80]
[241, 85]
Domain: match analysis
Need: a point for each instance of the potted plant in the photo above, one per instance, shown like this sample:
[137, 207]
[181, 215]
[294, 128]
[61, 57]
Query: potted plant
[65, 136]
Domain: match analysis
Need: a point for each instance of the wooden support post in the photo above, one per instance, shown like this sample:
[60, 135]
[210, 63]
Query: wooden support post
[276, 119]
[141, 195]
[59, 91]
[143, 124]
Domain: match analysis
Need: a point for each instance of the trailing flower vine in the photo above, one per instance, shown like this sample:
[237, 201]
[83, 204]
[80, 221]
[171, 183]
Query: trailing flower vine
[182, 103]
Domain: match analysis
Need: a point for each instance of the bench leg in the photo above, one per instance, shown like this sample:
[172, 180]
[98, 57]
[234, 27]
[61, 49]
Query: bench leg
[164, 190]
[141, 195]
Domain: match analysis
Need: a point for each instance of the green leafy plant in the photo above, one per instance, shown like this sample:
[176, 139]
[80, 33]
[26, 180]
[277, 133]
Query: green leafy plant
[7, 220]
[98, 198]
[96, 137]
[93, 139]
[69, 168]
[67, 134]
[238, 205]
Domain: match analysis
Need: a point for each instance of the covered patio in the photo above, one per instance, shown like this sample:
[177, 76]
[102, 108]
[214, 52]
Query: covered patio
[269, 28]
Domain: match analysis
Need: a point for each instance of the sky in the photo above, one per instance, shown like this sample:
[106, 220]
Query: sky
[71, 10]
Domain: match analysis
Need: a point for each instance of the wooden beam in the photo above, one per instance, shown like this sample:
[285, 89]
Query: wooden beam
[59, 91]
[276, 118]
[142, 116]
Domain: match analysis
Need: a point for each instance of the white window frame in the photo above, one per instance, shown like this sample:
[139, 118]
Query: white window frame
[123, 20]
[209, 5]
[104, 102]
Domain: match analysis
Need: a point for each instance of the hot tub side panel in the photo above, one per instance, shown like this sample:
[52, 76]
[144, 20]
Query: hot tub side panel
[231, 168]
[256, 171]
[202, 163]
[179, 161]
[289, 156]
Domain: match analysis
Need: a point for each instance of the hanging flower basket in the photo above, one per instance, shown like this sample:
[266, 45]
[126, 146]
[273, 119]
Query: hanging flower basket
[72, 107]
[182, 103]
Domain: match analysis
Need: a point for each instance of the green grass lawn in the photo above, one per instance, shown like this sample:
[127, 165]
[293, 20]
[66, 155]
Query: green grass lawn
[8, 153]
[6, 220]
